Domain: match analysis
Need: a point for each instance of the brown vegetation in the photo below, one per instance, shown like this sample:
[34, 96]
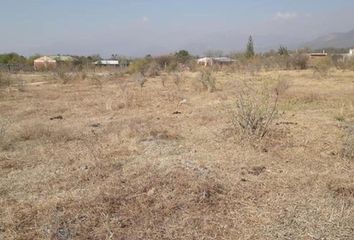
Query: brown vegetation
[102, 157]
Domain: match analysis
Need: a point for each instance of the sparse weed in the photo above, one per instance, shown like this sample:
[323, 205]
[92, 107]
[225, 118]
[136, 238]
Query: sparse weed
[322, 67]
[4, 80]
[299, 61]
[153, 70]
[4, 125]
[140, 79]
[255, 109]
[208, 80]
[163, 80]
[177, 79]
[348, 148]
[63, 75]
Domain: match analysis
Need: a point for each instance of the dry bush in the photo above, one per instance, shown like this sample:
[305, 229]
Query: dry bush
[45, 133]
[348, 148]
[177, 79]
[140, 79]
[62, 74]
[96, 81]
[208, 80]
[344, 64]
[69, 74]
[139, 66]
[128, 97]
[4, 125]
[164, 79]
[322, 67]
[146, 67]
[153, 70]
[256, 108]
[299, 61]
[4, 80]
[11, 80]
[296, 98]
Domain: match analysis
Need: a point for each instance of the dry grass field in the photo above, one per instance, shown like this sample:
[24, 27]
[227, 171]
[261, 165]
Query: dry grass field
[104, 158]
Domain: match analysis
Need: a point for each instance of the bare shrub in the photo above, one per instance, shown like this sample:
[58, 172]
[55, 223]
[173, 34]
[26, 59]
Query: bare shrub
[163, 80]
[348, 148]
[62, 74]
[4, 125]
[97, 81]
[177, 79]
[322, 67]
[344, 64]
[140, 79]
[299, 61]
[256, 108]
[139, 66]
[12, 80]
[4, 80]
[152, 70]
[208, 80]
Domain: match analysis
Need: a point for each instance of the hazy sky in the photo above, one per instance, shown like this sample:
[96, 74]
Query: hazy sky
[140, 27]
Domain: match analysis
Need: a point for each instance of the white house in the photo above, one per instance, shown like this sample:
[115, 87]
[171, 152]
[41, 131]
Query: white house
[205, 61]
[215, 60]
[107, 63]
[349, 55]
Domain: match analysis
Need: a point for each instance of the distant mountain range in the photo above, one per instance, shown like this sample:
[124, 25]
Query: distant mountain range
[333, 40]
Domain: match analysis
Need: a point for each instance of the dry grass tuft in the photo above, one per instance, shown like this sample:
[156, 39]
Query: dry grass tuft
[4, 80]
[348, 148]
[208, 80]
[255, 110]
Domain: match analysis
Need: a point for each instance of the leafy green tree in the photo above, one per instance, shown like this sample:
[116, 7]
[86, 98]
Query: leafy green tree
[182, 56]
[12, 58]
[250, 48]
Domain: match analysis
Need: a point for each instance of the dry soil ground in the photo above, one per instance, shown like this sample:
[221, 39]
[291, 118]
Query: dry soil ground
[104, 159]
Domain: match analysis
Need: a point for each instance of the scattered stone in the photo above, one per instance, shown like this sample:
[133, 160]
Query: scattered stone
[57, 118]
[96, 125]
[287, 123]
[257, 170]
[151, 192]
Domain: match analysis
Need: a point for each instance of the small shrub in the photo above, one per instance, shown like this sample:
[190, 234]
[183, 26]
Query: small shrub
[348, 148]
[4, 80]
[208, 80]
[322, 67]
[152, 70]
[177, 79]
[139, 66]
[299, 61]
[4, 125]
[256, 109]
[163, 80]
[63, 75]
[97, 81]
[140, 79]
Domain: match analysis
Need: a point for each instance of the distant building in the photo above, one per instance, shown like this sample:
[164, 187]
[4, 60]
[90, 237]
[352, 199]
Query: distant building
[114, 63]
[345, 56]
[205, 61]
[215, 60]
[223, 60]
[63, 58]
[318, 55]
[44, 63]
